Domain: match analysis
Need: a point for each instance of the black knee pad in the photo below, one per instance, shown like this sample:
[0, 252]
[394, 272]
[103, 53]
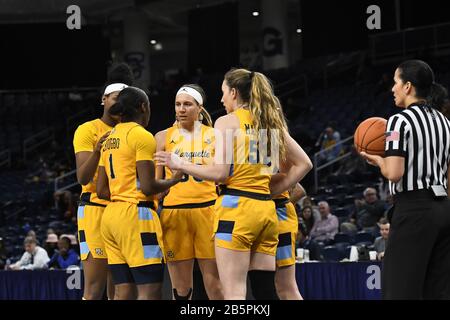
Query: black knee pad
[178, 297]
[263, 284]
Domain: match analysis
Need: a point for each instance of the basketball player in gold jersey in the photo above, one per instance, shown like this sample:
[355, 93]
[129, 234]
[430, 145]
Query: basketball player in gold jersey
[187, 216]
[285, 281]
[130, 225]
[87, 143]
[246, 226]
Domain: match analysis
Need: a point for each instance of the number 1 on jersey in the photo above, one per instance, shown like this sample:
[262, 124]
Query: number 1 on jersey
[111, 167]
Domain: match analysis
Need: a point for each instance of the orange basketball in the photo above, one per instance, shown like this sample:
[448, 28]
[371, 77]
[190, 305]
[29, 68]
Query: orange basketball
[370, 136]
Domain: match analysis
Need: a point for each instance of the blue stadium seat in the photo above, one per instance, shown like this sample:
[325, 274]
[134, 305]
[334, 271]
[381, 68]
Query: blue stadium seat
[342, 238]
[340, 212]
[363, 236]
[349, 200]
[341, 189]
[332, 201]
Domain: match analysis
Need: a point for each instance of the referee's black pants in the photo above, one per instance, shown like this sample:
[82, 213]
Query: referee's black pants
[416, 263]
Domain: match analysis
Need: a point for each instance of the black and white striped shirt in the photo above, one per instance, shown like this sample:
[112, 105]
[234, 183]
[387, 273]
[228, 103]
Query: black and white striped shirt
[422, 135]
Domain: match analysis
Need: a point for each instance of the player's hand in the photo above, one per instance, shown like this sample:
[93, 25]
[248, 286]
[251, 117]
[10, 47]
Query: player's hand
[168, 159]
[100, 141]
[371, 159]
[177, 175]
[162, 195]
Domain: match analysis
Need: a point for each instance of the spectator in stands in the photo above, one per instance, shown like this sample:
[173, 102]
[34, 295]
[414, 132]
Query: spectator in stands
[32, 234]
[307, 202]
[50, 231]
[366, 214]
[381, 242]
[67, 205]
[64, 257]
[51, 243]
[308, 218]
[73, 242]
[304, 241]
[34, 257]
[328, 138]
[326, 227]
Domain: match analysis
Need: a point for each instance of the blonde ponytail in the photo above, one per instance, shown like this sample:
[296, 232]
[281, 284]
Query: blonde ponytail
[204, 115]
[265, 108]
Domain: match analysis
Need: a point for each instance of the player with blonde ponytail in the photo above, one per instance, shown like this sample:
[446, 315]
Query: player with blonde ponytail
[246, 224]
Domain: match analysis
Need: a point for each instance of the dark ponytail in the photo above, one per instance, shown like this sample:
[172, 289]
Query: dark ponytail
[438, 96]
[421, 76]
[117, 109]
[120, 73]
[129, 102]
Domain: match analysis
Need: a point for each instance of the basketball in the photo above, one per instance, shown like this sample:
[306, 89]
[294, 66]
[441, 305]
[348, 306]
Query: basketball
[370, 136]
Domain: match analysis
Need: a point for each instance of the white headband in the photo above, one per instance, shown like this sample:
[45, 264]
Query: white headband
[193, 93]
[114, 87]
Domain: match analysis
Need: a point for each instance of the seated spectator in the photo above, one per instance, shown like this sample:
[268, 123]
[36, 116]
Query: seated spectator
[64, 256]
[32, 234]
[381, 242]
[308, 218]
[66, 204]
[304, 241]
[366, 214]
[327, 139]
[73, 242]
[307, 202]
[326, 227]
[50, 244]
[50, 231]
[34, 257]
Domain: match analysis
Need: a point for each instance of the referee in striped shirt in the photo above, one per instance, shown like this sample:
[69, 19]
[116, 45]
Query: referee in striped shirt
[416, 263]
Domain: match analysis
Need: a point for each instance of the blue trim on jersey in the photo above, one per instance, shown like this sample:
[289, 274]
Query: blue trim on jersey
[152, 251]
[80, 212]
[284, 252]
[224, 236]
[229, 201]
[145, 213]
[84, 249]
[282, 214]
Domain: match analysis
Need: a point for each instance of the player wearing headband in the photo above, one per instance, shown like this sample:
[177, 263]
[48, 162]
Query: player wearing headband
[187, 216]
[245, 224]
[87, 142]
